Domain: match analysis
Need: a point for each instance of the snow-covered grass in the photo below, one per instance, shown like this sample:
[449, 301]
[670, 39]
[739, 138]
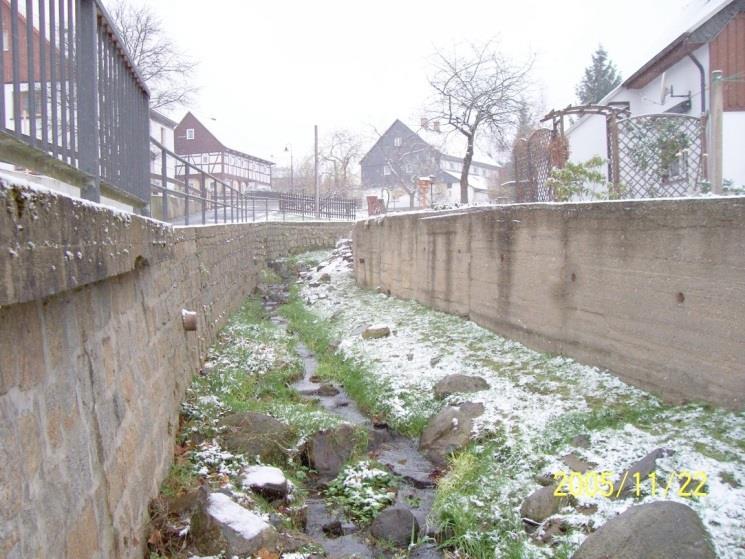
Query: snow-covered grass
[250, 368]
[535, 405]
[363, 490]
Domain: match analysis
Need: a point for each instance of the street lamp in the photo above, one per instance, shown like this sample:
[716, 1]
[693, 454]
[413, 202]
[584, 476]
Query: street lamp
[288, 148]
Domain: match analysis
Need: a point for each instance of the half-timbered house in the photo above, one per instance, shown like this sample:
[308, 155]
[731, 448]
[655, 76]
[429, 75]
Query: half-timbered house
[200, 147]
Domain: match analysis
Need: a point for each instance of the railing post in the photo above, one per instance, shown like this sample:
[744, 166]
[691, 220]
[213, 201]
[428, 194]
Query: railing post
[87, 97]
[224, 203]
[164, 181]
[253, 209]
[186, 194]
[266, 208]
[203, 194]
[214, 203]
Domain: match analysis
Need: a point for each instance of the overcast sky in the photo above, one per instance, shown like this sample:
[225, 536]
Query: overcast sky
[271, 69]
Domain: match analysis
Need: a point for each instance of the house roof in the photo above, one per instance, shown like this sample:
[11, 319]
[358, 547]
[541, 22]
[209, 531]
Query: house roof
[707, 25]
[450, 144]
[191, 116]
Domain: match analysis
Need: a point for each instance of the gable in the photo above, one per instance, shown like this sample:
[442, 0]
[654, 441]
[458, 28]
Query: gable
[204, 141]
[396, 130]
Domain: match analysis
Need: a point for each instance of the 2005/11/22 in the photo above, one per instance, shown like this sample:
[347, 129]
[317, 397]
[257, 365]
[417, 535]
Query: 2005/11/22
[592, 484]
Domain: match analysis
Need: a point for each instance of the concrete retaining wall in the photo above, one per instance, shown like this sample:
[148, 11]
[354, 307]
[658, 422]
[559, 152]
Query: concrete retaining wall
[652, 290]
[94, 360]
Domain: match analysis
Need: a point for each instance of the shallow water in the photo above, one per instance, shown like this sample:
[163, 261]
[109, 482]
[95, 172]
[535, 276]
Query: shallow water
[399, 454]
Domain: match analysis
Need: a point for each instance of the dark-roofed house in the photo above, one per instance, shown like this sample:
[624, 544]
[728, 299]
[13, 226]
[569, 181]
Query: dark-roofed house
[198, 145]
[401, 158]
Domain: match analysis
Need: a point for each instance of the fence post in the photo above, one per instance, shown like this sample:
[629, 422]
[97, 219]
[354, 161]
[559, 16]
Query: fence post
[215, 198]
[186, 194]
[613, 156]
[203, 193]
[87, 110]
[164, 180]
[716, 98]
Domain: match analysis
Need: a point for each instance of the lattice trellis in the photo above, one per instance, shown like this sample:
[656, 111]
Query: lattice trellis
[658, 155]
[532, 162]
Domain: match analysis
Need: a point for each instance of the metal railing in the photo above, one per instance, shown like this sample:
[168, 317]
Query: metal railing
[329, 208]
[183, 193]
[71, 91]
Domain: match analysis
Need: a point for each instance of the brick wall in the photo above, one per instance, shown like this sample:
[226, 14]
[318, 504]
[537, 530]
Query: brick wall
[652, 290]
[94, 360]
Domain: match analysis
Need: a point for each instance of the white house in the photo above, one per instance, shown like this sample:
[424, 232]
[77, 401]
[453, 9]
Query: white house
[677, 80]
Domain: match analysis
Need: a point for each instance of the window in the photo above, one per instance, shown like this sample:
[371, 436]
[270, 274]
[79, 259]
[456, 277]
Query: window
[397, 141]
[6, 42]
[189, 133]
[386, 170]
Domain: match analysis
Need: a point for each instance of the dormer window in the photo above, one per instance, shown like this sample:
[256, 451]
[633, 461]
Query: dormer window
[189, 133]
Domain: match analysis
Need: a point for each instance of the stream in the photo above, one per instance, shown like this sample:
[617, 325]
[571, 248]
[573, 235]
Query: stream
[397, 453]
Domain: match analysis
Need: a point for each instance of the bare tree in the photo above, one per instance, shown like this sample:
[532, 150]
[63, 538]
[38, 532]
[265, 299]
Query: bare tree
[341, 150]
[165, 69]
[481, 90]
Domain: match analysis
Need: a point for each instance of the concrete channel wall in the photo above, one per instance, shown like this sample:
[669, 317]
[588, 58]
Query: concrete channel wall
[652, 290]
[94, 359]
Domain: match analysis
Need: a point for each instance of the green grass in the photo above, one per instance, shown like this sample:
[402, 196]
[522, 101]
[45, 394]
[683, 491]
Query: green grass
[181, 479]
[477, 479]
[370, 393]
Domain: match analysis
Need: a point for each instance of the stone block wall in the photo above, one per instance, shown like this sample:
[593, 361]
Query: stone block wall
[94, 360]
[652, 290]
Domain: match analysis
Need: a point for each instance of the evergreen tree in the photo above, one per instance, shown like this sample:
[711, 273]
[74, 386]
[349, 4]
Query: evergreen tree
[600, 78]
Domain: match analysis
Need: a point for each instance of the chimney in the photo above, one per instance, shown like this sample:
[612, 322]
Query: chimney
[425, 123]
[436, 125]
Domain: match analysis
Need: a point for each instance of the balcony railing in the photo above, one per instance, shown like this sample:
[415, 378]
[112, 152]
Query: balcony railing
[71, 92]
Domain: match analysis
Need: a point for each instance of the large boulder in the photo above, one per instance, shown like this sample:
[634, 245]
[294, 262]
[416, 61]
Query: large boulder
[448, 430]
[267, 481]
[222, 525]
[541, 504]
[459, 384]
[256, 434]
[396, 525]
[659, 530]
[328, 450]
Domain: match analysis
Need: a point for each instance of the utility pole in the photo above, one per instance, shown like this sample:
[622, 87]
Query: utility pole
[716, 98]
[315, 174]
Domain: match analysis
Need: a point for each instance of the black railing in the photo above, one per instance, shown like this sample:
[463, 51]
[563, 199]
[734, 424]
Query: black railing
[329, 208]
[72, 91]
[185, 194]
